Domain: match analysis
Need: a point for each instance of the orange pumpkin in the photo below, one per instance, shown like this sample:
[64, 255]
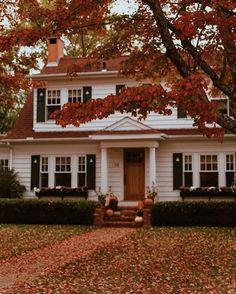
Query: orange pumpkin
[109, 212]
[147, 201]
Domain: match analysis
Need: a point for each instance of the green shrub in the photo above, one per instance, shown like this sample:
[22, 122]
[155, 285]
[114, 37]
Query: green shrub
[211, 213]
[10, 186]
[21, 211]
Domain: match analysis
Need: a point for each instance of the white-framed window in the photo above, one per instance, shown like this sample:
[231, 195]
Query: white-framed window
[188, 170]
[63, 171]
[75, 95]
[223, 104]
[44, 172]
[229, 168]
[53, 101]
[209, 170]
[4, 163]
[82, 180]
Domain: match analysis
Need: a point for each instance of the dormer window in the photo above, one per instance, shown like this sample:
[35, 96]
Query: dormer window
[74, 95]
[53, 101]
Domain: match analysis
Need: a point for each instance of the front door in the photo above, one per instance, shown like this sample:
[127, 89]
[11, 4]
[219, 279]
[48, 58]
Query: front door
[134, 173]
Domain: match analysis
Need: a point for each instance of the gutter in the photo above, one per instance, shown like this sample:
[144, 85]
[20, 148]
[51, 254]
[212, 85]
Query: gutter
[83, 74]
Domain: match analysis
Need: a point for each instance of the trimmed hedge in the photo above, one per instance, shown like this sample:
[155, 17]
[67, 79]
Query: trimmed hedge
[196, 213]
[47, 212]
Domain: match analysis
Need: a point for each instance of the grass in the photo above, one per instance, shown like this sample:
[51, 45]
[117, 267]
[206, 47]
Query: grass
[17, 239]
[156, 260]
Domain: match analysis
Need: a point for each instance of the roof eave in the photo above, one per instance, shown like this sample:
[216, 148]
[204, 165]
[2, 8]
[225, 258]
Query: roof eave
[77, 75]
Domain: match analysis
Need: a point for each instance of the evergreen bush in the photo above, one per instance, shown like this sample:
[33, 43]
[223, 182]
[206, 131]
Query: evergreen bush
[10, 186]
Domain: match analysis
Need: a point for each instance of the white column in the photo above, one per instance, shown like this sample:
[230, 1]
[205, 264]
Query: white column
[196, 170]
[221, 169]
[104, 181]
[74, 171]
[152, 167]
[51, 171]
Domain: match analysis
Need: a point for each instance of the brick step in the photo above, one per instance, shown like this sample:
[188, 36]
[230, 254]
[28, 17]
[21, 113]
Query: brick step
[120, 218]
[127, 207]
[122, 224]
[126, 212]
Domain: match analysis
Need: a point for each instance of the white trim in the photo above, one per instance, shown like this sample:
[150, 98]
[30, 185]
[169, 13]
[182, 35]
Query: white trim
[127, 137]
[130, 144]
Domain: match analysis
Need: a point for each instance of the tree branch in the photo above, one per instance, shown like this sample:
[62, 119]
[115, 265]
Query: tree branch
[171, 50]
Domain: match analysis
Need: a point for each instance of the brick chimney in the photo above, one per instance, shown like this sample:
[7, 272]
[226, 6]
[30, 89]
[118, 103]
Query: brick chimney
[55, 51]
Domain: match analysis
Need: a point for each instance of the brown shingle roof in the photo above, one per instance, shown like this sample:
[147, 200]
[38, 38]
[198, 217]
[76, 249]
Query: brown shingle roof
[75, 64]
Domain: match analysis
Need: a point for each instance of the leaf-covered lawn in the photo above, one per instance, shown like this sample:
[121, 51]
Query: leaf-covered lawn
[159, 260]
[16, 239]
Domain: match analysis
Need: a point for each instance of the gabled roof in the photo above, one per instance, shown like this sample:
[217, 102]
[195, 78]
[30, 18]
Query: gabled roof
[76, 64]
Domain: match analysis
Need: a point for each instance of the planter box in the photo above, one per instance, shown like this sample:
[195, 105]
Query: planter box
[208, 193]
[63, 192]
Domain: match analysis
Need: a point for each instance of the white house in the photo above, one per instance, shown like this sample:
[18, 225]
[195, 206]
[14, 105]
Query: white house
[121, 152]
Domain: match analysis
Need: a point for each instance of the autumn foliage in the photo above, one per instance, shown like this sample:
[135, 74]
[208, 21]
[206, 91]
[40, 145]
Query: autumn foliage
[185, 46]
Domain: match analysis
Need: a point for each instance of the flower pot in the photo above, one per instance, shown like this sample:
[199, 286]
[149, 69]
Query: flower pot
[148, 202]
[109, 212]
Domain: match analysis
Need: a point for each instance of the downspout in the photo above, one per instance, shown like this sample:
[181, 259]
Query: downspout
[10, 154]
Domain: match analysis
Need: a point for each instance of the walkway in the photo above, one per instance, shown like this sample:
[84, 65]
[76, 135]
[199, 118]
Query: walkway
[38, 262]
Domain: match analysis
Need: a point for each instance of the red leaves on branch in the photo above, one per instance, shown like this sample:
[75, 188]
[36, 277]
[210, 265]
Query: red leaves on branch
[141, 100]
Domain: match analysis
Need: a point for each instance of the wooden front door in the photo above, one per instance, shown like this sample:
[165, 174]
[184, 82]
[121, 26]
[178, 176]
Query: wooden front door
[134, 174]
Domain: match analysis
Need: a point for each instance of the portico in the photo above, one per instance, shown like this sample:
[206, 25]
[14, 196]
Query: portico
[137, 167]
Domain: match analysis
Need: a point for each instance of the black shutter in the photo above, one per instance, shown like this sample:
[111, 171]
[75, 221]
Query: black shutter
[177, 170]
[41, 102]
[181, 113]
[118, 89]
[91, 171]
[87, 93]
[35, 170]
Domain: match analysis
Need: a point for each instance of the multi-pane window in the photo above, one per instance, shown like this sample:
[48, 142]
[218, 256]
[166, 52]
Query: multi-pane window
[208, 170]
[230, 169]
[4, 164]
[44, 172]
[53, 101]
[188, 170]
[63, 171]
[223, 105]
[81, 171]
[74, 95]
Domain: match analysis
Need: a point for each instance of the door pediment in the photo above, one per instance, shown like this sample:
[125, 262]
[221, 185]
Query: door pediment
[127, 124]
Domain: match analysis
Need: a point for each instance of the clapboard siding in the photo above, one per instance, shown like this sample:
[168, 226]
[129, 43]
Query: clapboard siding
[100, 89]
[164, 165]
[22, 157]
[164, 160]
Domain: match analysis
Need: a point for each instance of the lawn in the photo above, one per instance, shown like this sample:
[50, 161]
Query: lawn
[17, 239]
[157, 260]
